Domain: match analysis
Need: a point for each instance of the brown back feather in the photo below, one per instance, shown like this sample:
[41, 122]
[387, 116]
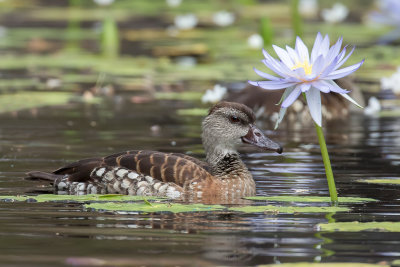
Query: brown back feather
[167, 167]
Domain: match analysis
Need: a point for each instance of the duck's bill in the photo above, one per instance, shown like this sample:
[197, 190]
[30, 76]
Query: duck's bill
[256, 138]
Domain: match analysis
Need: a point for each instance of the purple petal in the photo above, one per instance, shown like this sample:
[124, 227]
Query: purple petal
[284, 56]
[351, 100]
[341, 61]
[328, 69]
[315, 49]
[292, 53]
[333, 51]
[340, 56]
[254, 83]
[291, 97]
[336, 88]
[285, 94]
[314, 104]
[305, 87]
[266, 75]
[322, 86]
[278, 67]
[272, 65]
[274, 85]
[302, 50]
[324, 47]
[344, 72]
[318, 65]
[299, 73]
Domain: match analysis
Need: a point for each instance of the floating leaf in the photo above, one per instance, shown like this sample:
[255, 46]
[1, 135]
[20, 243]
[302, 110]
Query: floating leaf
[110, 38]
[389, 113]
[26, 100]
[73, 198]
[281, 209]
[395, 263]
[328, 264]
[155, 207]
[311, 199]
[180, 96]
[360, 226]
[192, 112]
[380, 181]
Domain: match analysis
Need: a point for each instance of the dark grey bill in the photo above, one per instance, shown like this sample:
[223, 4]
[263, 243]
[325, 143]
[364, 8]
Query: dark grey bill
[256, 138]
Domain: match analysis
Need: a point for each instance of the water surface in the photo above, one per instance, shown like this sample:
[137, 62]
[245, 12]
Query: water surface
[58, 233]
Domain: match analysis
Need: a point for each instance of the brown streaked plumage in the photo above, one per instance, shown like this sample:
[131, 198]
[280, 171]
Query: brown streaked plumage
[221, 178]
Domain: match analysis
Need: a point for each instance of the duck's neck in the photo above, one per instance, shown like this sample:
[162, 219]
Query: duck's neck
[226, 164]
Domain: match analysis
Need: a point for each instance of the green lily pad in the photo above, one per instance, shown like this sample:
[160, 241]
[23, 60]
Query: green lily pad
[328, 264]
[186, 96]
[280, 209]
[380, 181]
[192, 112]
[26, 100]
[311, 199]
[389, 113]
[153, 207]
[360, 226]
[72, 198]
[395, 263]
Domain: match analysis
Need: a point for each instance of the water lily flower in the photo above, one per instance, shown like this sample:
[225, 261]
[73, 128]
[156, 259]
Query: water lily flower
[223, 18]
[255, 41]
[392, 82]
[373, 108]
[104, 2]
[174, 3]
[308, 8]
[301, 72]
[186, 21]
[214, 95]
[388, 14]
[336, 14]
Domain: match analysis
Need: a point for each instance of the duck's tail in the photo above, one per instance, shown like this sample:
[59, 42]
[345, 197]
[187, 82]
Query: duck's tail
[44, 176]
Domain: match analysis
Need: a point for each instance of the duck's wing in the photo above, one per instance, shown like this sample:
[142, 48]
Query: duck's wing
[166, 167]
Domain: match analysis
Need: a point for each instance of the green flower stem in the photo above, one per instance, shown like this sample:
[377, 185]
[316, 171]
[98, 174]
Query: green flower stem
[327, 164]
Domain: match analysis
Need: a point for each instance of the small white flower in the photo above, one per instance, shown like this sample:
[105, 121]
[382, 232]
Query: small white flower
[214, 95]
[104, 2]
[255, 41]
[186, 61]
[186, 22]
[308, 8]
[336, 14]
[374, 106]
[53, 83]
[392, 82]
[174, 3]
[223, 18]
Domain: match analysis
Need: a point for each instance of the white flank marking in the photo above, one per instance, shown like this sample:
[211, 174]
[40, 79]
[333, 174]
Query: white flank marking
[132, 175]
[100, 172]
[61, 186]
[121, 172]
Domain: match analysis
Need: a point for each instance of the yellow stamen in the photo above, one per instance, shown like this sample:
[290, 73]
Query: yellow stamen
[305, 65]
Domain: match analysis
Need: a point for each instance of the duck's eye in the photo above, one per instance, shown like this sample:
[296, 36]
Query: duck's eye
[234, 119]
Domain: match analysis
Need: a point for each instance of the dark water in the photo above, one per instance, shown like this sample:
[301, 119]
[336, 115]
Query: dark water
[39, 234]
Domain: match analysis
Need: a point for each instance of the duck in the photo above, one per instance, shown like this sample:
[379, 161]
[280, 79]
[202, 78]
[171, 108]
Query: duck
[264, 102]
[222, 176]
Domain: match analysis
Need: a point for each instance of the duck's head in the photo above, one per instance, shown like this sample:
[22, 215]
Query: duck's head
[229, 124]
